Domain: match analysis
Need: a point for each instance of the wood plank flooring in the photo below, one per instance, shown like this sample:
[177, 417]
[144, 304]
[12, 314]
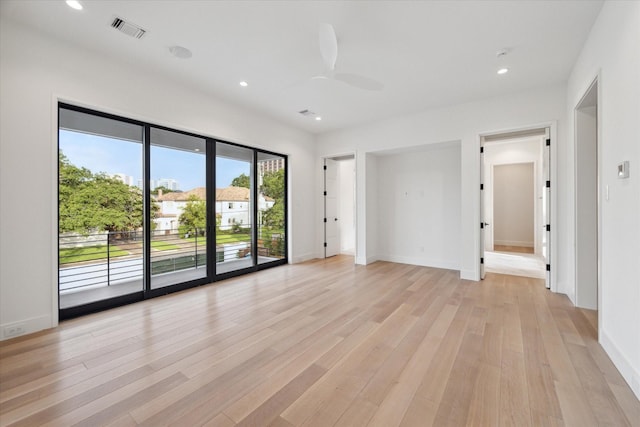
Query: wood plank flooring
[323, 343]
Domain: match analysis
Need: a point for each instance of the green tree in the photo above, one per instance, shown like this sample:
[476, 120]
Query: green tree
[273, 187]
[96, 202]
[273, 184]
[274, 216]
[193, 218]
[241, 181]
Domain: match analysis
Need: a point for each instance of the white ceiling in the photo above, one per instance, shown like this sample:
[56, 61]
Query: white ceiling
[427, 53]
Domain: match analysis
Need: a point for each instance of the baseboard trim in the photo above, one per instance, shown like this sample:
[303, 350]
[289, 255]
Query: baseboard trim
[302, 258]
[448, 265]
[473, 275]
[26, 326]
[628, 372]
[513, 243]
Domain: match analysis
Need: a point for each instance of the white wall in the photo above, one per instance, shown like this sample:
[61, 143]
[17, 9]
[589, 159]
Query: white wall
[513, 207]
[465, 123]
[611, 52]
[34, 72]
[519, 150]
[371, 209]
[346, 206]
[419, 206]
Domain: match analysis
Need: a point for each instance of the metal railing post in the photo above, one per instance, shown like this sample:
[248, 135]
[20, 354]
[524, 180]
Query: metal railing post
[196, 266]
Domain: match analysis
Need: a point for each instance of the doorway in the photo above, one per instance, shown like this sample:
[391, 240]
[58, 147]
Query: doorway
[339, 206]
[586, 199]
[515, 207]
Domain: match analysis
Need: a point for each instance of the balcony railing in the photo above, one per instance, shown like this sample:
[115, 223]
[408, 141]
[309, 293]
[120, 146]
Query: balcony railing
[110, 258]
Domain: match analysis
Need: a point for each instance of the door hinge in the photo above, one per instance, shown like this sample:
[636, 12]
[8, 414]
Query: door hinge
[325, 244]
[482, 186]
[325, 220]
[548, 267]
[548, 227]
[548, 142]
[325, 193]
[481, 150]
[481, 260]
[548, 184]
[482, 225]
[324, 167]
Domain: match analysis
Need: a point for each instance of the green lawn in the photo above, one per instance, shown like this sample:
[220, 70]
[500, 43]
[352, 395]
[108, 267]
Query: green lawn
[163, 245]
[202, 240]
[89, 253]
[232, 238]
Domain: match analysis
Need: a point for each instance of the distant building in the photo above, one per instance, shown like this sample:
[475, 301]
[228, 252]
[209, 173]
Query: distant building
[127, 179]
[272, 165]
[232, 204]
[169, 183]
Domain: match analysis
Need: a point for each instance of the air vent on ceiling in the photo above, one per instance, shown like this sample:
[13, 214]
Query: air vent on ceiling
[128, 28]
[307, 113]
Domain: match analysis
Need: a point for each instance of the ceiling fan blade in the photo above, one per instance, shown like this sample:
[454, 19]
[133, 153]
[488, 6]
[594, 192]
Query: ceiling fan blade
[328, 45]
[361, 82]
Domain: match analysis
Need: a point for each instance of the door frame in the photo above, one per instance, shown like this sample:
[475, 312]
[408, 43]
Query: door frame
[344, 156]
[553, 171]
[593, 83]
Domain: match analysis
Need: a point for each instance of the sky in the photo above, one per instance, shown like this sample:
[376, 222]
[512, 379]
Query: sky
[101, 154]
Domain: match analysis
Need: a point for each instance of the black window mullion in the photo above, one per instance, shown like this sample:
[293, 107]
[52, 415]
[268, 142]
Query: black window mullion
[286, 209]
[146, 247]
[211, 184]
[254, 209]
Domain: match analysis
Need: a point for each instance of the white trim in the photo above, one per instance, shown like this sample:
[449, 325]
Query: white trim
[470, 275]
[302, 258]
[29, 326]
[513, 243]
[630, 375]
[370, 260]
[434, 263]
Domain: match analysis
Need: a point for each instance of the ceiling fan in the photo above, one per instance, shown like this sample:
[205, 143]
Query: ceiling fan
[329, 52]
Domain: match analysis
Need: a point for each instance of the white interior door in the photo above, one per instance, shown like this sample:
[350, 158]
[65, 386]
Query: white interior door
[546, 208]
[331, 230]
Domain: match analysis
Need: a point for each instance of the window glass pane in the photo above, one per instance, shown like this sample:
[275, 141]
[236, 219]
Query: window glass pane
[100, 208]
[179, 208]
[271, 207]
[234, 208]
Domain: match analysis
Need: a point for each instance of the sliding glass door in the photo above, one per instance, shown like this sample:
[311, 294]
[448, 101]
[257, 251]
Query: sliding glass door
[145, 210]
[235, 222]
[178, 176]
[101, 215]
[271, 208]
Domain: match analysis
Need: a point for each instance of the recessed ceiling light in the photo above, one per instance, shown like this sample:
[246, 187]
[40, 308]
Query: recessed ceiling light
[180, 52]
[196, 149]
[74, 4]
[318, 118]
[244, 84]
[503, 71]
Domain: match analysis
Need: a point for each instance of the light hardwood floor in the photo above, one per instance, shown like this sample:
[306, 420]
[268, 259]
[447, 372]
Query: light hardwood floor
[323, 343]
